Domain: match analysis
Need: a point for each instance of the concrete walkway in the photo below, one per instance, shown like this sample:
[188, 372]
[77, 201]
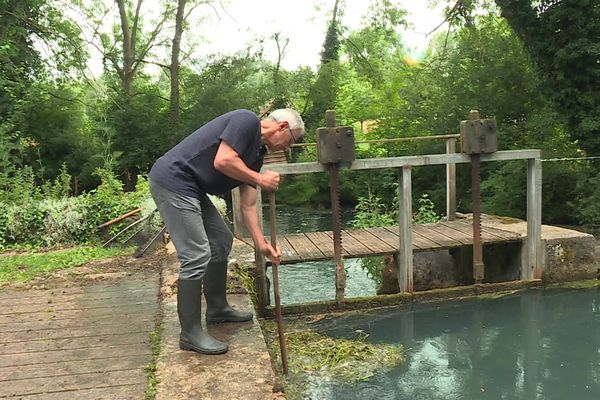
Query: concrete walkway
[243, 373]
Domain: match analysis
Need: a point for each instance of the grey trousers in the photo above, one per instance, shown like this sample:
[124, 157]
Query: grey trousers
[197, 230]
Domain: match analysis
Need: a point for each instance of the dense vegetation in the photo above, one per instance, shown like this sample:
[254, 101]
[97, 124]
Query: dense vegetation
[63, 132]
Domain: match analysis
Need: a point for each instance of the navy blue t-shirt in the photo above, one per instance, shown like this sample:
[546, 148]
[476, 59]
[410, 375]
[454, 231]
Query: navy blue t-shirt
[188, 168]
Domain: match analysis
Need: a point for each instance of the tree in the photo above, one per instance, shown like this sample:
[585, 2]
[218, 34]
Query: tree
[181, 16]
[225, 83]
[27, 28]
[134, 46]
[175, 62]
[376, 50]
[563, 38]
[323, 92]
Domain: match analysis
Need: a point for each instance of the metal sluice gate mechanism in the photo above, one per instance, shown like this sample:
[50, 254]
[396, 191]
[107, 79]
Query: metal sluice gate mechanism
[335, 149]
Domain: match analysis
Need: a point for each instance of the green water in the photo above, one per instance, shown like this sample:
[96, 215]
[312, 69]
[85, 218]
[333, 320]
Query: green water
[542, 344]
[315, 281]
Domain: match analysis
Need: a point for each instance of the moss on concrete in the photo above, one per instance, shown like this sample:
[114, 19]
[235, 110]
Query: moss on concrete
[155, 341]
[583, 284]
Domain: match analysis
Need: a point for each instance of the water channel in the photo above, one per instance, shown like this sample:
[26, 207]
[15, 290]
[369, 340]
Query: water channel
[540, 344]
[315, 281]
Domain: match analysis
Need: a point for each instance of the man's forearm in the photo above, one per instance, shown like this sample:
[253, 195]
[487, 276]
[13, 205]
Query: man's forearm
[248, 203]
[250, 216]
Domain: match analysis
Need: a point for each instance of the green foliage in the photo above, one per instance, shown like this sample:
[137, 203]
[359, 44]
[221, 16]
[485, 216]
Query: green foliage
[323, 93]
[64, 222]
[37, 45]
[30, 220]
[61, 187]
[563, 39]
[54, 118]
[371, 211]
[153, 381]
[21, 188]
[376, 51]
[588, 203]
[426, 211]
[24, 225]
[350, 359]
[225, 83]
[357, 100]
[539, 84]
[27, 266]
[109, 200]
[139, 126]
[305, 189]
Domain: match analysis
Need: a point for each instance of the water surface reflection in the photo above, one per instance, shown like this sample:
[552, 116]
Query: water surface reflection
[315, 281]
[537, 345]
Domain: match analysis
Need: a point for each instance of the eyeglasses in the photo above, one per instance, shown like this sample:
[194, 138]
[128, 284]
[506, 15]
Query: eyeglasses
[293, 139]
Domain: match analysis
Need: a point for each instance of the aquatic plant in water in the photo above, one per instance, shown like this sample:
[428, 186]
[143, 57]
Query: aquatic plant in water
[348, 359]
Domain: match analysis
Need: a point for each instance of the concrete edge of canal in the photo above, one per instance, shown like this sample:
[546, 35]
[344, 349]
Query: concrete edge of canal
[244, 372]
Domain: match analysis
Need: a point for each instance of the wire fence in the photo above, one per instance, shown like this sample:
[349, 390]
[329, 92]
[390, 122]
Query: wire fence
[570, 159]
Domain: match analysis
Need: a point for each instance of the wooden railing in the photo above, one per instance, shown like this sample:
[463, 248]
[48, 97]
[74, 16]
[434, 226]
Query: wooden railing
[238, 227]
[532, 254]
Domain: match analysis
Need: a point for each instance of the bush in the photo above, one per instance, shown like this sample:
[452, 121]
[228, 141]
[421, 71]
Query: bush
[589, 204]
[65, 222]
[60, 220]
[372, 212]
[24, 225]
[21, 188]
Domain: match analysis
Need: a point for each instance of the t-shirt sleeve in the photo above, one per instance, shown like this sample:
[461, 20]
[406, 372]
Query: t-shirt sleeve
[238, 131]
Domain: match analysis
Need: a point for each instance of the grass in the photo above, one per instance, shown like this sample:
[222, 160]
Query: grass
[26, 266]
[155, 340]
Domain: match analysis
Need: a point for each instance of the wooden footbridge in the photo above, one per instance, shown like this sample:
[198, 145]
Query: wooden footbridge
[358, 243]
[403, 240]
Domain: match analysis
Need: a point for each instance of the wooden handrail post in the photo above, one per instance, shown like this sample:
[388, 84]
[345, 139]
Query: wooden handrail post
[262, 289]
[405, 259]
[535, 254]
[451, 182]
[260, 264]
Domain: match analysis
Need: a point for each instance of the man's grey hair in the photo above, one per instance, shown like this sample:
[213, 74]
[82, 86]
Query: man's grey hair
[291, 116]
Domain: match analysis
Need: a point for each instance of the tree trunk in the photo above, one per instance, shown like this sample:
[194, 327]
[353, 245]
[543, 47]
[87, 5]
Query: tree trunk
[175, 63]
[126, 72]
[521, 17]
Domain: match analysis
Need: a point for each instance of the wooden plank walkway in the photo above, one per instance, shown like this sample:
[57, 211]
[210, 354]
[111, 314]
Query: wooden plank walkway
[77, 342]
[318, 246]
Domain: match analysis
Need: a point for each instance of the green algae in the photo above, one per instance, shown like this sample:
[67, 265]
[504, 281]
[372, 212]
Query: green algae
[312, 354]
[583, 284]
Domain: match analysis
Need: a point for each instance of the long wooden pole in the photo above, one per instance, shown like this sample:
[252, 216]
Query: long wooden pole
[275, 266]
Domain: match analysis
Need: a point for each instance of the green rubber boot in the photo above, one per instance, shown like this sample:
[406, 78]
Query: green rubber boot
[189, 308]
[215, 286]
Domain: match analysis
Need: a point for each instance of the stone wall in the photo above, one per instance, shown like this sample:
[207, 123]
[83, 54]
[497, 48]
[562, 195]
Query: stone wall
[570, 259]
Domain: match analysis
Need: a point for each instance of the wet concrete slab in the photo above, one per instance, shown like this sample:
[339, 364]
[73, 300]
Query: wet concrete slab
[244, 372]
